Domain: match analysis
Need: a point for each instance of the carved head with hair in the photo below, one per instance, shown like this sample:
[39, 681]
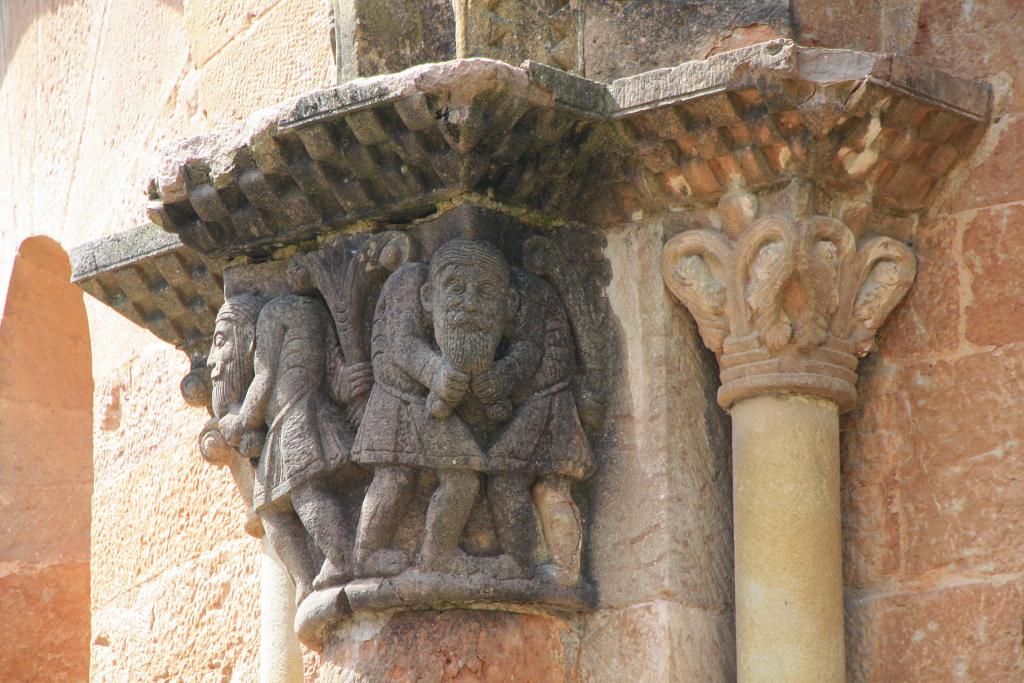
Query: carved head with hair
[231, 356]
[470, 299]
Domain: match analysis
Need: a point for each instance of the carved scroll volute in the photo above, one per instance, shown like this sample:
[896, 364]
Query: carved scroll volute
[762, 278]
[695, 266]
[878, 279]
[788, 305]
[824, 254]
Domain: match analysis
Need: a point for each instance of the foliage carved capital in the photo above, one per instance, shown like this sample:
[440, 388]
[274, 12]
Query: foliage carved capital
[788, 304]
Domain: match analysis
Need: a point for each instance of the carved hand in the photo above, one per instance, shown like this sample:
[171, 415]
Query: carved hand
[232, 426]
[213, 447]
[355, 381]
[489, 386]
[449, 384]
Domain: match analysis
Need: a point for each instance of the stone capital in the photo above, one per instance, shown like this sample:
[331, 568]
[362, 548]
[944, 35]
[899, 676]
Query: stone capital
[788, 303]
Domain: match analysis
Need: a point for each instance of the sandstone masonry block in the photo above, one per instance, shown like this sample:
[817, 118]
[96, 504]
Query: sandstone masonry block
[959, 483]
[211, 24]
[997, 179]
[455, 645]
[994, 261]
[963, 633]
[44, 610]
[285, 52]
[658, 642]
[927, 322]
[972, 39]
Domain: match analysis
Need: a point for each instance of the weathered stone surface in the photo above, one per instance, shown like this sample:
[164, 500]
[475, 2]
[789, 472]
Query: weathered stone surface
[473, 376]
[958, 490]
[246, 76]
[45, 613]
[968, 632]
[979, 40]
[876, 436]
[390, 147]
[846, 24]
[544, 31]
[374, 37]
[458, 645]
[154, 436]
[195, 620]
[660, 500]
[171, 290]
[212, 24]
[995, 181]
[788, 305]
[993, 257]
[661, 641]
[927, 323]
[626, 38]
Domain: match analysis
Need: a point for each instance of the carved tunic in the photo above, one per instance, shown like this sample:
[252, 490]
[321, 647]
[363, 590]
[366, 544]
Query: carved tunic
[545, 434]
[306, 432]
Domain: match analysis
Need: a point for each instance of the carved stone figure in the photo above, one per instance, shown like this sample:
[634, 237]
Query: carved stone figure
[438, 394]
[545, 433]
[462, 395]
[307, 444]
[230, 363]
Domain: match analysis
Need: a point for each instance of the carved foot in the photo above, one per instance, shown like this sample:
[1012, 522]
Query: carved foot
[384, 562]
[504, 567]
[457, 562]
[557, 575]
[331, 575]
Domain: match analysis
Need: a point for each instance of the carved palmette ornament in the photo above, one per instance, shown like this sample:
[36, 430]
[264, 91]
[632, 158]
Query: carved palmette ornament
[790, 304]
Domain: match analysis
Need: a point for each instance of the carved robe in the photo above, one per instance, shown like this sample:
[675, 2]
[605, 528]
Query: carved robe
[307, 434]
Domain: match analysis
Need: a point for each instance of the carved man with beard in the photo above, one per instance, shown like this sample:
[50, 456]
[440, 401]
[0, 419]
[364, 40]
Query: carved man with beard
[433, 404]
[231, 371]
[301, 466]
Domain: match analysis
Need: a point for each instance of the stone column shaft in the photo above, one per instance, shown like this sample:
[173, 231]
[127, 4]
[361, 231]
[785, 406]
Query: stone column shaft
[789, 574]
[280, 657]
[788, 302]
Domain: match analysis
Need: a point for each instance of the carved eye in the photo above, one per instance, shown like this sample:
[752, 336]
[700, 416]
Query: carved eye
[455, 285]
[219, 339]
[488, 290]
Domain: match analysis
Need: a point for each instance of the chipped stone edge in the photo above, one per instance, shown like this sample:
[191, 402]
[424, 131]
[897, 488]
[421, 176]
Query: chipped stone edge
[121, 249]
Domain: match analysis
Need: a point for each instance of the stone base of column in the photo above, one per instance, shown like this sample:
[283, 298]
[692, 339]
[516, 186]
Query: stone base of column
[444, 645]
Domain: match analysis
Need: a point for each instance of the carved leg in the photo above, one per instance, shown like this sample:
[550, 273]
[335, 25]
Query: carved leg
[384, 506]
[319, 507]
[446, 518]
[288, 537]
[563, 529]
[513, 520]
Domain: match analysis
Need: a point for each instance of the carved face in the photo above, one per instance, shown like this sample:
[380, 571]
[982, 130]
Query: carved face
[470, 297]
[231, 355]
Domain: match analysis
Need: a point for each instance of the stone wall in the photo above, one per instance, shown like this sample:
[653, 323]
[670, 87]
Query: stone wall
[90, 89]
[930, 459]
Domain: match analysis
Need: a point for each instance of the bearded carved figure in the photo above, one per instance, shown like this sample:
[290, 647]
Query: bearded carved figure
[462, 400]
[230, 362]
[474, 364]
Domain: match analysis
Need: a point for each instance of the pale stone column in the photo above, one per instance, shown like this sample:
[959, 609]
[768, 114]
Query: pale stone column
[280, 657]
[788, 303]
[789, 588]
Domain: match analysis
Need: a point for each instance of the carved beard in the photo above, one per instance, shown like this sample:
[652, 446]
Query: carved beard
[230, 387]
[467, 347]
